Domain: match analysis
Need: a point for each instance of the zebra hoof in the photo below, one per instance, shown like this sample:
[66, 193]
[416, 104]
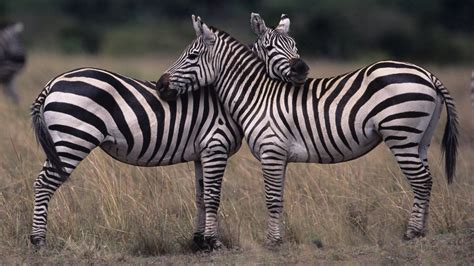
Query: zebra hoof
[212, 243]
[273, 244]
[410, 234]
[198, 242]
[38, 242]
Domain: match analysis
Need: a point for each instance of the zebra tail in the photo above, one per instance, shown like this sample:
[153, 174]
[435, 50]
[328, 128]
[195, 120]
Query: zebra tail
[449, 145]
[43, 137]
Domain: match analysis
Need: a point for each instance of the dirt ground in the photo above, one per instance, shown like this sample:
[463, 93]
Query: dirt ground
[445, 249]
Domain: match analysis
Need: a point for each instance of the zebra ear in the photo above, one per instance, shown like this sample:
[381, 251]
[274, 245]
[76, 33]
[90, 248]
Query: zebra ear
[203, 30]
[197, 24]
[208, 36]
[257, 24]
[284, 25]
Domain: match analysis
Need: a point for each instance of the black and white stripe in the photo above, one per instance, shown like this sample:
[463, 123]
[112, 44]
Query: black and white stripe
[12, 57]
[88, 108]
[325, 120]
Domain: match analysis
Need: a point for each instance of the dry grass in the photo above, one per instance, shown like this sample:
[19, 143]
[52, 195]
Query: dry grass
[111, 211]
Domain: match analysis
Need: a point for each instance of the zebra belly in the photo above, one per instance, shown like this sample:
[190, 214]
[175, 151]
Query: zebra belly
[298, 152]
[117, 150]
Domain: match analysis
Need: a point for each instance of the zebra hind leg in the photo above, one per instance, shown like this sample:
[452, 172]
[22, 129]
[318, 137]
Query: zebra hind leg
[47, 182]
[414, 166]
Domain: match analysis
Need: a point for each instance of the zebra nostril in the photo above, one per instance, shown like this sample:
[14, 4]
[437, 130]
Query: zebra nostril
[163, 83]
[298, 66]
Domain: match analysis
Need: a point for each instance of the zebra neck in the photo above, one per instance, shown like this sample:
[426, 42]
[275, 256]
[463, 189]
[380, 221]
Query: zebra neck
[243, 84]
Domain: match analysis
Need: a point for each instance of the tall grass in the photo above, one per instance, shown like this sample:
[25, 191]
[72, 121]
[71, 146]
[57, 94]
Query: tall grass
[109, 207]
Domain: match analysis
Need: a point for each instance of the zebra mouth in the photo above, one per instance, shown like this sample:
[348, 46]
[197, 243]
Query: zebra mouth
[298, 78]
[165, 89]
[298, 71]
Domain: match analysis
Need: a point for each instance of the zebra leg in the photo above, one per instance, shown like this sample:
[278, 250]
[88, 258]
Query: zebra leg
[413, 166]
[200, 220]
[274, 178]
[213, 166]
[421, 181]
[47, 182]
[10, 92]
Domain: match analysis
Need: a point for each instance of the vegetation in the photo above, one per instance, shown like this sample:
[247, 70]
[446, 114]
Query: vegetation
[112, 212]
[425, 30]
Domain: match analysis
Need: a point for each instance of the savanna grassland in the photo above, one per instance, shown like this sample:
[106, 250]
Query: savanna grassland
[109, 212]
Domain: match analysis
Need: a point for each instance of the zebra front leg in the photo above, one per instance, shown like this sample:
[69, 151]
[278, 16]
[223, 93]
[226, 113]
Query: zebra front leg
[47, 182]
[200, 220]
[274, 179]
[213, 165]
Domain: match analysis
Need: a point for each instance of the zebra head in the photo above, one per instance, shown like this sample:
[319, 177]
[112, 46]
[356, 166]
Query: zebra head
[193, 69]
[10, 42]
[278, 50]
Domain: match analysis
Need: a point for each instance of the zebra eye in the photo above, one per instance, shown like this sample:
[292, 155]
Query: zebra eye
[193, 56]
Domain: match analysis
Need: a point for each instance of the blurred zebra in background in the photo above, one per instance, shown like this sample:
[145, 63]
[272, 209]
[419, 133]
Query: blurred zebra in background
[326, 120]
[12, 57]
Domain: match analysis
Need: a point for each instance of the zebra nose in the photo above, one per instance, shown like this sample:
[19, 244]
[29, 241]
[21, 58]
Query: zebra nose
[163, 83]
[298, 66]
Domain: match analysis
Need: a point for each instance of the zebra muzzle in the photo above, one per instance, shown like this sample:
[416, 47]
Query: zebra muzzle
[299, 70]
[163, 88]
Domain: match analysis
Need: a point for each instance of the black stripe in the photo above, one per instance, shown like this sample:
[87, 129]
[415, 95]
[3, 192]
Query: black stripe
[316, 116]
[72, 146]
[75, 132]
[336, 91]
[103, 99]
[129, 98]
[378, 84]
[398, 99]
[79, 113]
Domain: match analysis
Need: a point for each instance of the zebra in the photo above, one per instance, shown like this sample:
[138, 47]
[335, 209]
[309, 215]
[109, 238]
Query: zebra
[325, 120]
[86, 108]
[12, 57]
[278, 50]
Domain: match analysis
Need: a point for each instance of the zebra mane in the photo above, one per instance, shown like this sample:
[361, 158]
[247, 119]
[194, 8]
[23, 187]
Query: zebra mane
[231, 40]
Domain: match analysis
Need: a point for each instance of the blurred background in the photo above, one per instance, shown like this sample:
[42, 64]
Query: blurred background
[434, 31]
